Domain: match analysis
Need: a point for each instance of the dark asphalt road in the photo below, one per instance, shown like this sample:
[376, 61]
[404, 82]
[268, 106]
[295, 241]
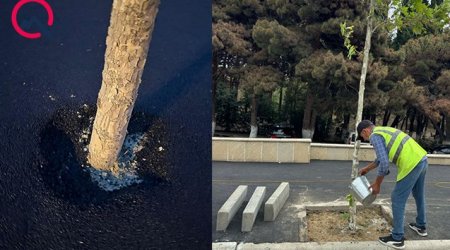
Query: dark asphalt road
[63, 69]
[319, 181]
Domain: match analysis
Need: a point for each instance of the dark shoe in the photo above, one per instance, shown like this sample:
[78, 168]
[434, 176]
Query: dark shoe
[422, 231]
[390, 242]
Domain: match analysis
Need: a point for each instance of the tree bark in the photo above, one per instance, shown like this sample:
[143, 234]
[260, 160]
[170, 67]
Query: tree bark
[396, 121]
[253, 120]
[280, 101]
[214, 90]
[309, 117]
[421, 122]
[362, 82]
[411, 123]
[438, 133]
[387, 115]
[345, 127]
[447, 130]
[127, 44]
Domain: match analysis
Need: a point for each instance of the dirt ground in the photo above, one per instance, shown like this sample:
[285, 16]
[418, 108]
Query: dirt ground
[333, 225]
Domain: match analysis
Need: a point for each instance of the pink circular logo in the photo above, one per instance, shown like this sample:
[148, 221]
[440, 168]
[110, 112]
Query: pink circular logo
[16, 10]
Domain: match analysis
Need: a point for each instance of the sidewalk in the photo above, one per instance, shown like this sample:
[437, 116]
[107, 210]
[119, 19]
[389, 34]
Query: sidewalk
[366, 245]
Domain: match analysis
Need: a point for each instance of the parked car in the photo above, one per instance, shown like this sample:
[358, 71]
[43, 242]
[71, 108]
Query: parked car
[280, 131]
[441, 149]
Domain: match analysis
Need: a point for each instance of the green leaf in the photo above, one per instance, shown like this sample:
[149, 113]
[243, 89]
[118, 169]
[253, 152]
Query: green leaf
[350, 200]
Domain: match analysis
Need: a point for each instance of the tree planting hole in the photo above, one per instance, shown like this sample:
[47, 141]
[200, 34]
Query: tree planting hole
[64, 148]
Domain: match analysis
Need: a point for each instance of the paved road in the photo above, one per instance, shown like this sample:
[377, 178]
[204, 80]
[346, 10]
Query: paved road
[319, 181]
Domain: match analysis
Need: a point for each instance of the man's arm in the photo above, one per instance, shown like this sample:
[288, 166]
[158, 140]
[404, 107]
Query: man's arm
[368, 168]
[376, 186]
[379, 146]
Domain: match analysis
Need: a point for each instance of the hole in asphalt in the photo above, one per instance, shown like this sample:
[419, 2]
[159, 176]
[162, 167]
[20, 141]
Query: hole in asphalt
[63, 154]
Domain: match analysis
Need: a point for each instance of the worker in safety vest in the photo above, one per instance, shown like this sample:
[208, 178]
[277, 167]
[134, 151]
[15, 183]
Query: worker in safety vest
[392, 145]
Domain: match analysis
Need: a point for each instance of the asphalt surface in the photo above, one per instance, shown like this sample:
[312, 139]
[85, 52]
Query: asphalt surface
[63, 70]
[316, 182]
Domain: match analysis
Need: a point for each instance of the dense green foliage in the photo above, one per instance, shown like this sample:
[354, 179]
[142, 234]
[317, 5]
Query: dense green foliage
[289, 59]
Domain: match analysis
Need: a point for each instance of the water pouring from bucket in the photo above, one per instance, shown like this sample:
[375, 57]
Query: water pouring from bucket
[360, 188]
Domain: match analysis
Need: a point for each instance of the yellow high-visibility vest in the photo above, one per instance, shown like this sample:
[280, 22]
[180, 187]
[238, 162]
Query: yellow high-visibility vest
[403, 150]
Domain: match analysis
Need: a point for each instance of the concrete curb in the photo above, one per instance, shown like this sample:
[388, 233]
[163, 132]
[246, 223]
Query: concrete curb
[252, 208]
[230, 207]
[276, 202]
[366, 245]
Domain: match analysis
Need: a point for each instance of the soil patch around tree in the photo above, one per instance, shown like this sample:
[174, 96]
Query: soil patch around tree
[329, 226]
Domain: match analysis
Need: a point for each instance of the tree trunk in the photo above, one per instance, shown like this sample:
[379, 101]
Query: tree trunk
[396, 121]
[373, 118]
[309, 117]
[387, 115]
[438, 133]
[345, 127]
[447, 130]
[214, 90]
[354, 174]
[411, 123]
[442, 129]
[253, 121]
[403, 121]
[127, 44]
[420, 126]
[280, 101]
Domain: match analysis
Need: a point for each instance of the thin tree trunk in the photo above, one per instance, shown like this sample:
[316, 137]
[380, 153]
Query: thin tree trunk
[442, 129]
[403, 122]
[214, 90]
[420, 125]
[345, 126]
[354, 174]
[438, 131]
[127, 44]
[396, 121]
[253, 120]
[373, 118]
[387, 115]
[447, 129]
[280, 102]
[411, 122]
[309, 117]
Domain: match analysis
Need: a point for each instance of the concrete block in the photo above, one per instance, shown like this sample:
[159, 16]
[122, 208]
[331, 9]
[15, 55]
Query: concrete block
[439, 159]
[301, 152]
[366, 154]
[253, 151]
[230, 207]
[252, 208]
[285, 152]
[269, 152]
[276, 202]
[303, 225]
[236, 151]
[317, 153]
[220, 150]
[224, 246]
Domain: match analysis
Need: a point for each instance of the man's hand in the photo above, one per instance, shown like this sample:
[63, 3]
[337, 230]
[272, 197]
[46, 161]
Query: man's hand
[364, 170]
[376, 187]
